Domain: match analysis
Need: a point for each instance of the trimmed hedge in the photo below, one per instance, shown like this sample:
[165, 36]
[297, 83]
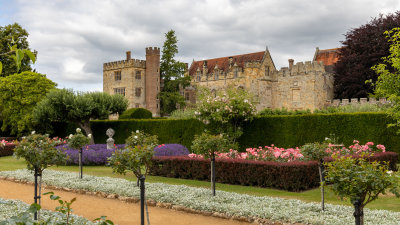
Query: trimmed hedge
[294, 131]
[283, 131]
[167, 130]
[291, 176]
[7, 150]
[136, 113]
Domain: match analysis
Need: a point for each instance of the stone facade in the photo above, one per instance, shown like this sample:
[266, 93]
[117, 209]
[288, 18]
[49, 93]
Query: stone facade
[301, 86]
[137, 80]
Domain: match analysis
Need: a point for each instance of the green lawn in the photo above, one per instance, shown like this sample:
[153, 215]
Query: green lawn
[388, 203]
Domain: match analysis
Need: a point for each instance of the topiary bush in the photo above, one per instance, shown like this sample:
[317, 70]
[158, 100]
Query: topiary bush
[136, 113]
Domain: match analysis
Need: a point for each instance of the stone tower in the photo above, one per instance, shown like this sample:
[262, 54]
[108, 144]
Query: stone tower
[152, 80]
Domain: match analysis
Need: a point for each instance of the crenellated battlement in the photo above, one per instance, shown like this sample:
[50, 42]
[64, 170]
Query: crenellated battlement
[152, 51]
[301, 68]
[354, 101]
[137, 63]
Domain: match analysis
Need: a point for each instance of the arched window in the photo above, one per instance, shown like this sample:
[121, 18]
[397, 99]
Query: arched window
[199, 76]
[235, 72]
[216, 74]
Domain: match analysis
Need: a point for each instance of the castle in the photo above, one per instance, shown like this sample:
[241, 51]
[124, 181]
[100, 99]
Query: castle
[307, 85]
[138, 80]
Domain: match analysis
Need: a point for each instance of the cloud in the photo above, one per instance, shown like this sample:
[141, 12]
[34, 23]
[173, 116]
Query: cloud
[74, 38]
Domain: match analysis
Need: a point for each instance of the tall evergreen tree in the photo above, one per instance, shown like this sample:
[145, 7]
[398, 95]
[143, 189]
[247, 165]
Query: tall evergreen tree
[172, 74]
[19, 35]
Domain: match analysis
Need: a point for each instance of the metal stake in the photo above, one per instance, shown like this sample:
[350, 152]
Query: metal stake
[36, 198]
[142, 199]
[213, 174]
[322, 180]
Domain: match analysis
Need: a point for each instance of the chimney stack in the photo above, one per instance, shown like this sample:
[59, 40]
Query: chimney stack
[291, 61]
[128, 55]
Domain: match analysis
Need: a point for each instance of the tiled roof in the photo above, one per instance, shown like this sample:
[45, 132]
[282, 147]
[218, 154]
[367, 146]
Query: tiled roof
[328, 56]
[223, 62]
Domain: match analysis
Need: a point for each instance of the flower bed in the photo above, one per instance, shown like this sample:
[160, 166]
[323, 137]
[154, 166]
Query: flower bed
[10, 208]
[171, 150]
[98, 154]
[94, 155]
[291, 176]
[199, 200]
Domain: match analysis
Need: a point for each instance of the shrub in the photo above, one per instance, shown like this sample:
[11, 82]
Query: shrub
[183, 114]
[291, 176]
[7, 149]
[93, 155]
[171, 150]
[282, 111]
[167, 130]
[136, 113]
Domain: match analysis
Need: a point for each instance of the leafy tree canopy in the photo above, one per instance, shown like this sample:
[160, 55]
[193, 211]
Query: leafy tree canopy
[364, 47]
[172, 74]
[78, 108]
[19, 95]
[388, 83]
[9, 34]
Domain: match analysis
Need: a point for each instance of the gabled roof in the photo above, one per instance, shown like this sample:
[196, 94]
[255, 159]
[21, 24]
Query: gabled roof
[328, 56]
[223, 62]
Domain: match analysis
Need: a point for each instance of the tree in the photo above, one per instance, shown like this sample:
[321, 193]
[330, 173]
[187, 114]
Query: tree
[364, 47]
[360, 181]
[136, 157]
[78, 108]
[39, 152]
[19, 95]
[13, 39]
[388, 83]
[172, 74]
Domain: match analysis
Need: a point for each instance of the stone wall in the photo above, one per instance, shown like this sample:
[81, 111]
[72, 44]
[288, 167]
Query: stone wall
[141, 91]
[300, 86]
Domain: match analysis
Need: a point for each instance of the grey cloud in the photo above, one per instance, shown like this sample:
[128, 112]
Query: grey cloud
[85, 34]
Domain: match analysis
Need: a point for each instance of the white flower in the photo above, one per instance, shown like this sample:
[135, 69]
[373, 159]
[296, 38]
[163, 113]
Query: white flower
[246, 101]
[326, 138]
[33, 132]
[135, 137]
[89, 135]
[217, 110]
[70, 136]
[137, 131]
[78, 130]
[389, 172]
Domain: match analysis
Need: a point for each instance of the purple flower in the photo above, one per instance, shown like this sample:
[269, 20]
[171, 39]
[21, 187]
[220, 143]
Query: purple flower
[93, 155]
[170, 150]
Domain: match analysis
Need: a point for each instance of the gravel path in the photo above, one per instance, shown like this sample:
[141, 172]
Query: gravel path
[118, 211]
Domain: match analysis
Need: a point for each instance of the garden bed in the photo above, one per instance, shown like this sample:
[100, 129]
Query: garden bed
[10, 208]
[199, 200]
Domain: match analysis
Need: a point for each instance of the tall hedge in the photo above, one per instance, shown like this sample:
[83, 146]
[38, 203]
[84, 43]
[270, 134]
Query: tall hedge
[291, 131]
[283, 131]
[167, 130]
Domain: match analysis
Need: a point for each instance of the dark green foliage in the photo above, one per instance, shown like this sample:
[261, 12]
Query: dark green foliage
[294, 131]
[136, 113]
[172, 73]
[167, 130]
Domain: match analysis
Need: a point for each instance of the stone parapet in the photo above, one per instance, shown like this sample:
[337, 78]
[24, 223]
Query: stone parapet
[353, 101]
[136, 63]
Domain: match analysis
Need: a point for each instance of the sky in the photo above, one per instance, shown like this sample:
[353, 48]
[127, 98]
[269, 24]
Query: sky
[75, 37]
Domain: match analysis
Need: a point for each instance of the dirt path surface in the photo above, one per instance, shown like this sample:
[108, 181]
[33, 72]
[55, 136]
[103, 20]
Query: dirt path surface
[118, 211]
